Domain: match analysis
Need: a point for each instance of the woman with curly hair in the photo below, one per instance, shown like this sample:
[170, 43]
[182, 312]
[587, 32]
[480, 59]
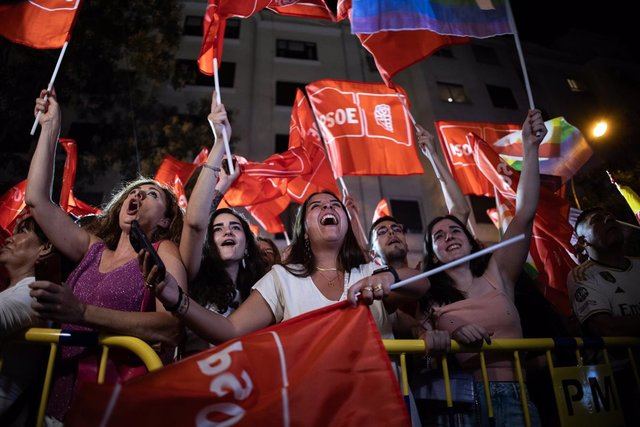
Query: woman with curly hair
[106, 290]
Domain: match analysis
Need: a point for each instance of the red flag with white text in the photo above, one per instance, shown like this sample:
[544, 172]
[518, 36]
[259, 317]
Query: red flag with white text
[458, 151]
[40, 24]
[366, 128]
[269, 377]
[303, 133]
[551, 240]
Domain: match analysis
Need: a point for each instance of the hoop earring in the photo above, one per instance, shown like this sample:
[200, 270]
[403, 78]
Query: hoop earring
[244, 264]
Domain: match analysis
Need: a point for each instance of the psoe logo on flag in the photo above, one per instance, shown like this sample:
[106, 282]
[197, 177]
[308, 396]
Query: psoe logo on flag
[55, 5]
[382, 113]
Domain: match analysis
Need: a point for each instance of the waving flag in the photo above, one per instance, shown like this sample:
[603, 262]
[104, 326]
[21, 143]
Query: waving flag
[366, 128]
[267, 214]
[551, 241]
[303, 9]
[175, 173]
[41, 24]
[458, 151]
[68, 202]
[253, 189]
[474, 18]
[303, 133]
[562, 153]
[269, 377]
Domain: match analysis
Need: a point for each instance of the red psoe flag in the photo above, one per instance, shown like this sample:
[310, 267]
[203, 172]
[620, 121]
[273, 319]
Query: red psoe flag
[40, 24]
[303, 133]
[366, 128]
[458, 151]
[269, 377]
[551, 240]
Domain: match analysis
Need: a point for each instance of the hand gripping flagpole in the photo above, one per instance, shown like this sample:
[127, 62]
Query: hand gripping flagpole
[50, 87]
[225, 137]
[458, 262]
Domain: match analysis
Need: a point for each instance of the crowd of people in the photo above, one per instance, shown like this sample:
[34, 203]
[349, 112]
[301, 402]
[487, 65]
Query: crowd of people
[220, 281]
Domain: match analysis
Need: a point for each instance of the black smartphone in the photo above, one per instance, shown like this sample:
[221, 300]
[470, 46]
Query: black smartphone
[225, 165]
[139, 241]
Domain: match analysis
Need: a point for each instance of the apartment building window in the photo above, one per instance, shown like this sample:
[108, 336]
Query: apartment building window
[444, 52]
[282, 143]
[502, 97]
[296, 49]
[452, 92]
[575, 85]
[192, 26]
[187, 72]
[286, 92]
[485, 54]
[407, 212]
[232, 30]
[479, 206]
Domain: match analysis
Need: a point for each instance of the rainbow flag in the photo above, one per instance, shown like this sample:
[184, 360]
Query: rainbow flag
[473, 18]
[562, 153]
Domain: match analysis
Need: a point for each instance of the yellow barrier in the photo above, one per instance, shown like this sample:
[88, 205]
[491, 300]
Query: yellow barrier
[514, 346]
[56, 337]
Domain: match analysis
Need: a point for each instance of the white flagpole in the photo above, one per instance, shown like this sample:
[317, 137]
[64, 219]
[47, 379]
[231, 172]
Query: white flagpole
[51, 82]
[628, 225]
[225, 137]
[512, 24]
[458, 262]
[286, 238]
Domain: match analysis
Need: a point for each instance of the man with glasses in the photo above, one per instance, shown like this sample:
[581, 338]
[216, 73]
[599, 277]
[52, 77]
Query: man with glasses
[605, 289]
[388, 242]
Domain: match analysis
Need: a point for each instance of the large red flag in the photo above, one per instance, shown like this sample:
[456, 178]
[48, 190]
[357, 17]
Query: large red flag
[41, 24]
[11, 204]
[303, 9]
[551, 242]
[458, 151]
[366, 128]
[267, 214]
[303, 133]
[254, 189]
[326, 367]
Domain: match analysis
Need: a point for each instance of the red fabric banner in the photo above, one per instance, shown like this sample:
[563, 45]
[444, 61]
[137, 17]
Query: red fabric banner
[303, 9]
[458, 151]
[41, 24]
[254, 189]
[175, 173]
[303, 133]
[267, 214]
[366, 128]
[551, 241]
[270, 377]
[68, 202]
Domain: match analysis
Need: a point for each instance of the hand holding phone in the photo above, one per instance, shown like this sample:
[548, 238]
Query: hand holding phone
[139, 241]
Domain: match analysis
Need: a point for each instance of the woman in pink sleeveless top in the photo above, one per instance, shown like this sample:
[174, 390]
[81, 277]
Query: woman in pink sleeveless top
[474, 302]
[106, 291]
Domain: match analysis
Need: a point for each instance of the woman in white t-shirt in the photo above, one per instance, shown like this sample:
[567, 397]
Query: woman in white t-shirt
[323, 261]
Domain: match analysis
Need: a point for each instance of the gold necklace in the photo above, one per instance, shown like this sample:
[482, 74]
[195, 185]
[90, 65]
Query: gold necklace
[326, 269]
[330, 282]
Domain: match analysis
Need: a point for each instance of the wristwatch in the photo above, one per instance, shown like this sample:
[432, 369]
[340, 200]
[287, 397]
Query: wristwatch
[385, 269]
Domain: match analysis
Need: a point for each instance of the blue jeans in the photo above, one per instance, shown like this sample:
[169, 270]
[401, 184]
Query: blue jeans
[507, 409]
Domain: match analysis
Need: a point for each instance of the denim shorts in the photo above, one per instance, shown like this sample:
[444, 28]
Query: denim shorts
[507, 409]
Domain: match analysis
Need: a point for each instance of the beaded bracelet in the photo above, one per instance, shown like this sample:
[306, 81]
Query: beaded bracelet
[173, 308]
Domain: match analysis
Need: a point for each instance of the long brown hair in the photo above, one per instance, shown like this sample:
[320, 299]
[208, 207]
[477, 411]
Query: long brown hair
[107, 224]
[442, 290]
[213, 284]
[350, 255]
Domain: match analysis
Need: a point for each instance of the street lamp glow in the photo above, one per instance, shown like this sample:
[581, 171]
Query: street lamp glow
[600, 129]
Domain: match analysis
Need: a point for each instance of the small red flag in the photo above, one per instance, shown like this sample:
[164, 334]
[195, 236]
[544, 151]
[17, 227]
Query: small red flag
[68, 202]
[366, 128]
[382, 209]
[41, 24]
[267, 214]
[269, 377]
[11, 205]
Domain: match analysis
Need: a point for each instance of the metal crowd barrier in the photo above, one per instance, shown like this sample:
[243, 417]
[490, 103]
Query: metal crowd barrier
[56, 337]
[562, 377]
